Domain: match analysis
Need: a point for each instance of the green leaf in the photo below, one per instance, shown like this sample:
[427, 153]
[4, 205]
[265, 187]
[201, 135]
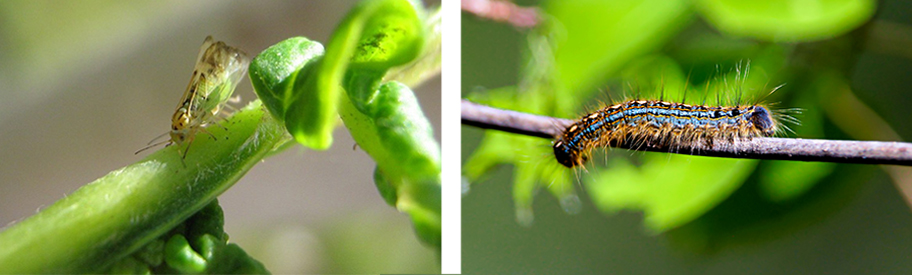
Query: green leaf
[392, 129]
[383, 19]
[109, 219]
[374, 36]
[427, 64]
[198, 245]
[210, 220]
[279, 76]
[670, 189]
[595, 38]
[385, 118]
[785, 20]
[392, 35]
[180, 256]
[231, 259]
[655, 76]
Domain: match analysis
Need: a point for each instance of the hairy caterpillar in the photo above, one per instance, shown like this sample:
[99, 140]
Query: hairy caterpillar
[662, 123]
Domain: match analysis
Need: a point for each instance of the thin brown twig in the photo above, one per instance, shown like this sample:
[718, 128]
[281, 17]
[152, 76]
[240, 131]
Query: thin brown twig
[845, 151]
[503, 11]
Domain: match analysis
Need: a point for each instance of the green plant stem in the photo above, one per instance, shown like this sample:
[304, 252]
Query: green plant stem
[110, 218]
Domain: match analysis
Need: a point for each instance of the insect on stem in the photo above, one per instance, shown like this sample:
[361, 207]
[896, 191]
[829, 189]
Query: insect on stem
[218, 70]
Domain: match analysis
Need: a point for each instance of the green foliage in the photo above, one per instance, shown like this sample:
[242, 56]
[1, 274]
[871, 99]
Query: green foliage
[787, 21]
[626, 29]
[650, 49]
[670, 190]
[305, 88]
[181, 257]
[197, 246]
[385, 118]
[275, 74]
[374, 36]
[393, 130]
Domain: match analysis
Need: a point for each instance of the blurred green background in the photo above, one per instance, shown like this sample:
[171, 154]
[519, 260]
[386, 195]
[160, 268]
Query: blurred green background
[85, 84]
[845, 63]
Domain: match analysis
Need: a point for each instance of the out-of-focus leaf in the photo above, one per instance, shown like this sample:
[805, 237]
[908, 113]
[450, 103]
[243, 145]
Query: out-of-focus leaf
[670, 189]
[785, 20]
[595, 38]
[385, 118]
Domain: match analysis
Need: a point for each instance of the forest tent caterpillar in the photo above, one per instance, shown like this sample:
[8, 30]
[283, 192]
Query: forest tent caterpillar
[662, 123]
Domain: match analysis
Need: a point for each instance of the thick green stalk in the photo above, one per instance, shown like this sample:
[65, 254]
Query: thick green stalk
[110, 218]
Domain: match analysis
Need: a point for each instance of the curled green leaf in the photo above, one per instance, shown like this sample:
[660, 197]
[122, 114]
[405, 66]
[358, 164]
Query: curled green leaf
[375, 35]
[393, 130]
[385, 120]
[280, 75]
[180, 256]
[392, 36]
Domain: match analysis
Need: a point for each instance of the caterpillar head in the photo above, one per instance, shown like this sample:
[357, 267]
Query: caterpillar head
[566, 155]
[763, 121]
